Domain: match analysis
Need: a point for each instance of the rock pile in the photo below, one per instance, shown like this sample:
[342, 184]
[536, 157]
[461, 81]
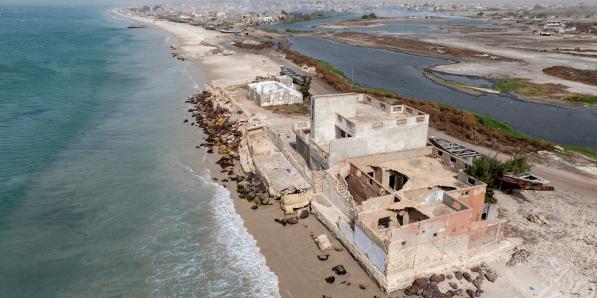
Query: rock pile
[429, 287]
[224, 135]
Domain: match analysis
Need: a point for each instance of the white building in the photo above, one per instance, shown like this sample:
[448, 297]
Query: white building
[270, 93]
[350, 125]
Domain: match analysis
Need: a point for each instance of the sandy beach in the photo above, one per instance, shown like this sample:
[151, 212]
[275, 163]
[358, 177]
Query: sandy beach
[289, 250]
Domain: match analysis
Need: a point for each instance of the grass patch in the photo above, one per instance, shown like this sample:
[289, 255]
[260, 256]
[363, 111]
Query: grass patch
[503, 127]
[297, 31]
[588, 152]
[269, 30]
[331, 68]
[583, 98]
[518, 86]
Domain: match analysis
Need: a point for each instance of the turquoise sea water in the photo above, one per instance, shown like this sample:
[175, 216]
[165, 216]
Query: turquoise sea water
[102, 193]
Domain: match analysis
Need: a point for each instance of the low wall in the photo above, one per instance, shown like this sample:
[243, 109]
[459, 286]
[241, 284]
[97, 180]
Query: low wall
[301, 166]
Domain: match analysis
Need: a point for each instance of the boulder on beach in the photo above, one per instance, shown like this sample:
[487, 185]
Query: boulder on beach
[323, 242]
[339, 269]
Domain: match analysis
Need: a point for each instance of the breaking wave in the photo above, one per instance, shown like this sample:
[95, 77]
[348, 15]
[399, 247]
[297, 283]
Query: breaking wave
[240, 248]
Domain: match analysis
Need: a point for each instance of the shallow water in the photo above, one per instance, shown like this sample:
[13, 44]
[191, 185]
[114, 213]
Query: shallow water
[394, 26]
[102, 192]
[402, 73]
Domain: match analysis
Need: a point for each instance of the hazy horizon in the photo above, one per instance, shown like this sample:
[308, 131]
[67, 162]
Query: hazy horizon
[195, 2]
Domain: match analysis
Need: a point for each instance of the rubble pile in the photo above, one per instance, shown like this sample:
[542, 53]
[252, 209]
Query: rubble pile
[224, 136]
[223, 132]
[431, 287]
[519, 256]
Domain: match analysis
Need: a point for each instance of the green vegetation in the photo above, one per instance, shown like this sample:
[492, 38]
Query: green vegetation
[297, 31]
[305, 87]
[518, 86]
[583, 98]
[505, 128]
[270, 30]
[585, 151]
[295, 17]
[331, 68]
[370, 16]
[490, 171]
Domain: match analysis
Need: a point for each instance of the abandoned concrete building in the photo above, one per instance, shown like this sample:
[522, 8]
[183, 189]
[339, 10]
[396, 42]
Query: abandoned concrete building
[402, 208]
[407, 213]
[349, 125]
[270, 93]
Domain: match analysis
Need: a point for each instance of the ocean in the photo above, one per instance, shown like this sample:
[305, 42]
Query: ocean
[102, 191]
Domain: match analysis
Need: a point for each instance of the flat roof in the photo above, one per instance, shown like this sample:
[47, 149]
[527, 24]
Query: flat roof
[422, 172]
[366, 113]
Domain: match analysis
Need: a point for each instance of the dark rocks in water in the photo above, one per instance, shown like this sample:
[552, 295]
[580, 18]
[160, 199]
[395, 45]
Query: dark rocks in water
[330, 279]
[210, 150]
[254, 207]
[277, 220]
[214, 179]
[191, 110]
[231, 172]
[323, 257]
[193, 124]
[224, 180]
[339, 269]
[304, 214]
[362, 287]
[470, 293]
[292, 220]
[338, 248]
[449, 276]
[185, 121]
[453, 285]
[326, 296]
[478, 293]
[283, 221]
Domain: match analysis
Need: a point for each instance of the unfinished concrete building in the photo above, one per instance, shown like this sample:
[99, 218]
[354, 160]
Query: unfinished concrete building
[270, 93]
[406, 214]
[403, 209]
[349, 125]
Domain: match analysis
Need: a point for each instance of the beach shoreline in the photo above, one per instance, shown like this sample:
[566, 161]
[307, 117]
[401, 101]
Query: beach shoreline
[290, 252]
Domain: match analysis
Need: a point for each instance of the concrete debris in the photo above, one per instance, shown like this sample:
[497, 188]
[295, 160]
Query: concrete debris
[519, 256]
[537, 219]
[323, 242]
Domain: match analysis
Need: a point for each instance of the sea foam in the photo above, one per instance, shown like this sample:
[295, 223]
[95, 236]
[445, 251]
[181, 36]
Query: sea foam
[240, 247]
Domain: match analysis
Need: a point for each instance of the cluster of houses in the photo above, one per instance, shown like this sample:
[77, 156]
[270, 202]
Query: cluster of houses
[212, 19]
[402, 208]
